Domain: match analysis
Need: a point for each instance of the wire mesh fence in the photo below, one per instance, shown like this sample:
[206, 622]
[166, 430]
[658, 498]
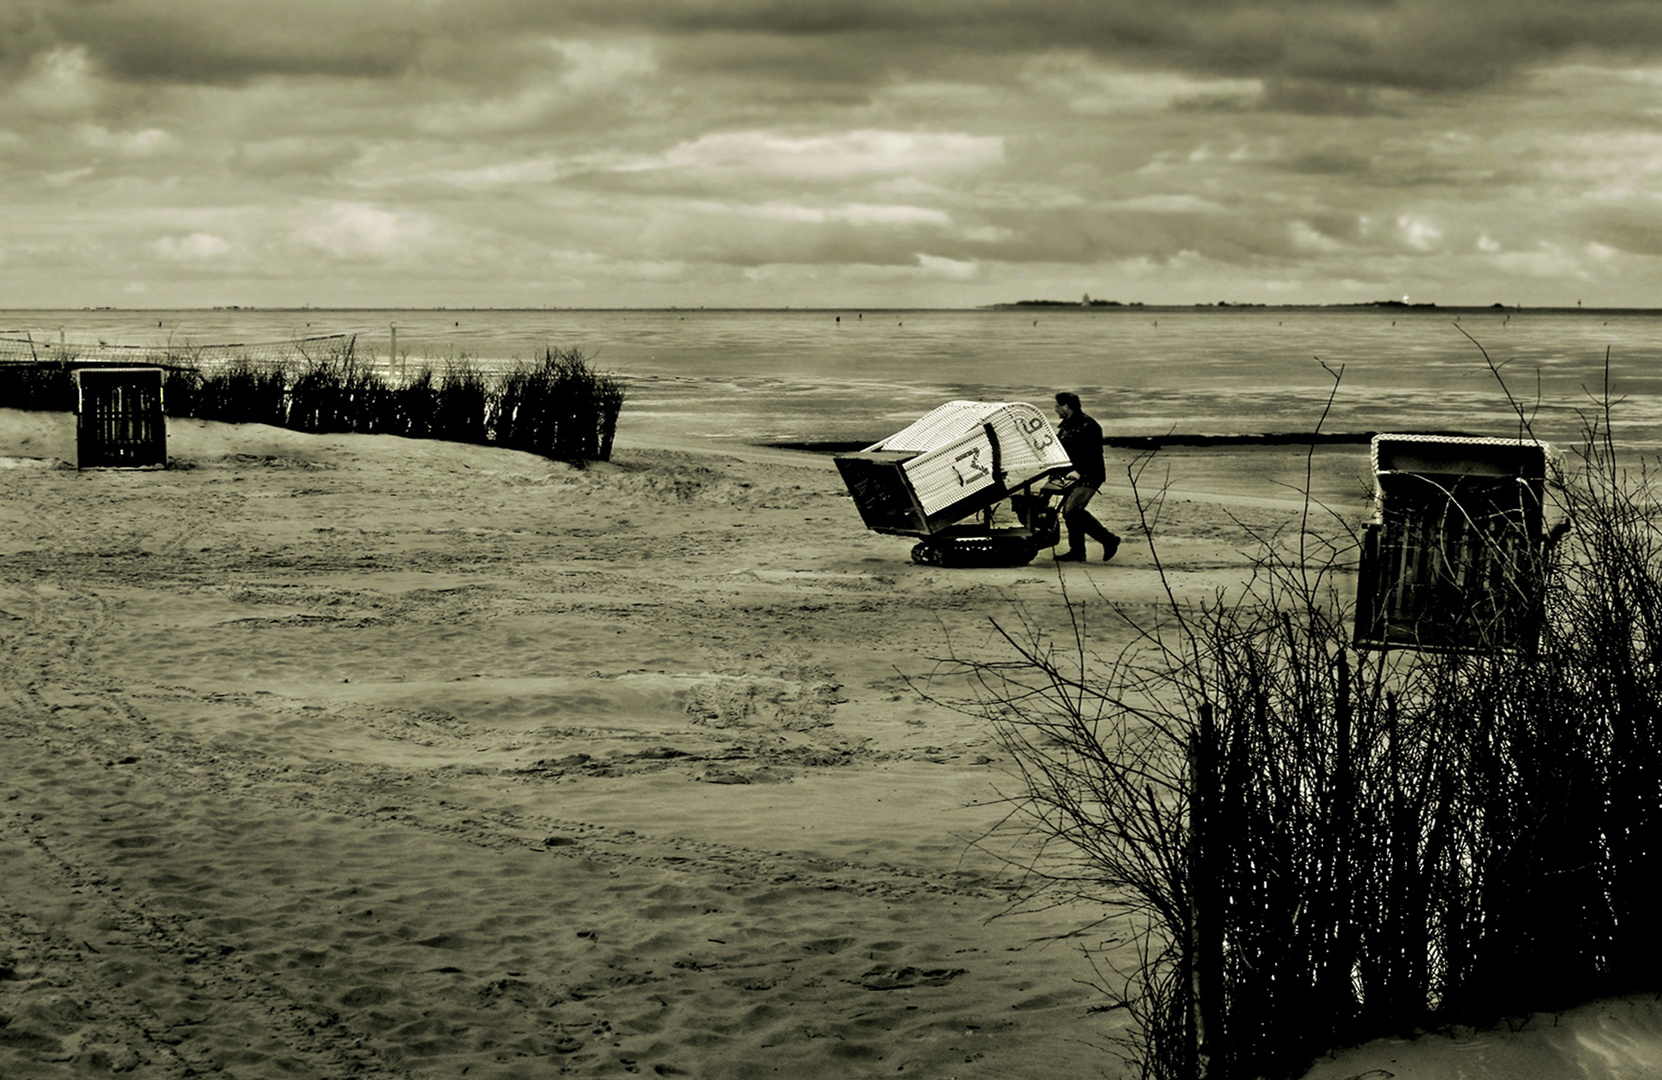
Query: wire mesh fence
[262, 354]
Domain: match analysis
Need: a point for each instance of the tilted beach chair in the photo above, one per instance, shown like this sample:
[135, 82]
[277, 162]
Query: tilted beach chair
[943, 478]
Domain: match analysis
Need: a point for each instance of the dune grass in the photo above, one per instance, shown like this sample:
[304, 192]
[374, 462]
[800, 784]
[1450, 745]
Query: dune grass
[44, 386]
[556, 406]
[1306, 844]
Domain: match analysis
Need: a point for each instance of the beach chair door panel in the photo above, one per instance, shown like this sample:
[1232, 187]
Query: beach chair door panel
[1453, 561]
[120, 422]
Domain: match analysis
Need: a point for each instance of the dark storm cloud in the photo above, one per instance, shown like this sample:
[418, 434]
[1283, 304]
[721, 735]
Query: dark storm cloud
[1418, 44]
[779, 68]
[969, 149]
[1315, 54]
[1638, 231]
[1315, 98]
[1342, 161]
[23, 34]
[232, 43]
[1401, 169]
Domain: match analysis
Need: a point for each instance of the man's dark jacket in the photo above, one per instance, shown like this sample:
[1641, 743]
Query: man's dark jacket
[1082, 438]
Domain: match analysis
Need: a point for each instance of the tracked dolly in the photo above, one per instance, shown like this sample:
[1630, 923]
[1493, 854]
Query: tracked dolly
[942, 479]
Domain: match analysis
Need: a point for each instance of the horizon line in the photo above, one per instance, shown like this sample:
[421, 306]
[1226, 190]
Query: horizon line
[1062, 305]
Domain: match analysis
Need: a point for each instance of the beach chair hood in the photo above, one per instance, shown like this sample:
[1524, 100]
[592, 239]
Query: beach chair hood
[950, 464]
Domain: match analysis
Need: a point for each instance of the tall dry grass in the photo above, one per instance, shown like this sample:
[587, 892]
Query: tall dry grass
[45, 386]
[557, 407]
[1307, 845]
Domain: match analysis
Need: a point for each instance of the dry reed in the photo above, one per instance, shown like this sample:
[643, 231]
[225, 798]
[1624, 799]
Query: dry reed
[557, 407]
[1308, 845]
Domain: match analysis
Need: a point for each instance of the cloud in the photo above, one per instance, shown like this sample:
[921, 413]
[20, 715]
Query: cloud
[1625, 158]
[1184, 46]
[523, 109]
[1088, 86]
[1419, 233]
[545, 79]
[1332, 160]
[291, 155]
[1547, 262]
[830, 157]
[952, 269]
[149, 142]
[1308, 239]
[599, 66]
[59, 83]
[716, 137]
[723, 233]
[851, 213]
[350, 229]
[1167, 203]
[1427, 45]
[233, 41]
[197, 247]
[67, 177]
[531, 171]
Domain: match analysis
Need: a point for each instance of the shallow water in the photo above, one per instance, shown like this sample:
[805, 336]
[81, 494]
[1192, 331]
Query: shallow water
[822, 375]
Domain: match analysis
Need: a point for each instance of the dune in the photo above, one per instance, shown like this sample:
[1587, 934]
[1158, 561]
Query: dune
[356, 756]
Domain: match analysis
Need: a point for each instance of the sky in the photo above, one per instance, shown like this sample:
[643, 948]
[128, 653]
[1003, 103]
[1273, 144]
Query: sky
[829, 153]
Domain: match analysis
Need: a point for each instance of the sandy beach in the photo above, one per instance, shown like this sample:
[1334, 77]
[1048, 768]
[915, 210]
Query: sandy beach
[352, 756]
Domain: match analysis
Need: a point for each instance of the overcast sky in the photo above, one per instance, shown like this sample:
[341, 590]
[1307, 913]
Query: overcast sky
[829, 153]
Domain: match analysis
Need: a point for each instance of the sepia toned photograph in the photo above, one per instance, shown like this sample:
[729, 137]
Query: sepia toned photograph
[731, 539]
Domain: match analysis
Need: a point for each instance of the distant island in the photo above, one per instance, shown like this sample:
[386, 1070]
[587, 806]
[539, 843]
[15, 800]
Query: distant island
[1388, 305]
[1087, 302]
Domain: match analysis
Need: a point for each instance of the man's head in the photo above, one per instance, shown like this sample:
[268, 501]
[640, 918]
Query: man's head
[1066, 404]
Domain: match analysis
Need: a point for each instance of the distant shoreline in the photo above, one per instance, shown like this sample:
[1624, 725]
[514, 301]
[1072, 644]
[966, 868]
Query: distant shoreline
[1094, 307]
[1392, 306]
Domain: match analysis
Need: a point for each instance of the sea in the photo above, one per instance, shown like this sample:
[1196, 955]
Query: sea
[854, 376]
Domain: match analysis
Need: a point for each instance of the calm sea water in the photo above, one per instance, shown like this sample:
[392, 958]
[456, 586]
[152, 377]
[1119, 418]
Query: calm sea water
[852, 375]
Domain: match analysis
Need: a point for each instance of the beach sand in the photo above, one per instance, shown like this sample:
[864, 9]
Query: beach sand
[352, 756]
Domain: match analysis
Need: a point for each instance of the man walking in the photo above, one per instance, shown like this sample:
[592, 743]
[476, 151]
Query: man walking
[1081, 437]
